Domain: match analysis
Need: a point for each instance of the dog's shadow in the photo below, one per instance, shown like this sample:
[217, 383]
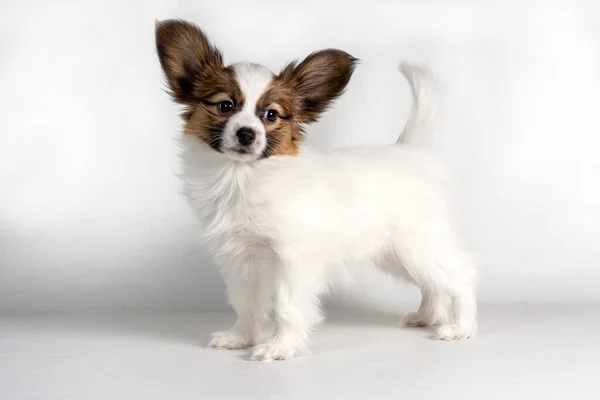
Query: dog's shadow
[188, 328]
[344, 331]
[196, 328]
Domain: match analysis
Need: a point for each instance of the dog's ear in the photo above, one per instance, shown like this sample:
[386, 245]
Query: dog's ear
[187, 58]
[318, 80]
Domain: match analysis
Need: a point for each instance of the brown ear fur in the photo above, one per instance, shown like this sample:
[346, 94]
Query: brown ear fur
[189, 61]
[318, 80]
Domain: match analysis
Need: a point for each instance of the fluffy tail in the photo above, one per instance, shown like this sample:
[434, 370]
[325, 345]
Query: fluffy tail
[419, 127]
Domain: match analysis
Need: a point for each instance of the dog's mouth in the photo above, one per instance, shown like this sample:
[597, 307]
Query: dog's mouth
[240, 153]
[241, 150]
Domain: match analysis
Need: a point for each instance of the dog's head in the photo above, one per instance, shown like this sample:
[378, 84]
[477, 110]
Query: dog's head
[244, 110]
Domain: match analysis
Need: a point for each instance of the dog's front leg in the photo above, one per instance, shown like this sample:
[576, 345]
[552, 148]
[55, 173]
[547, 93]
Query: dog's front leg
[249, 289]
[296, 312]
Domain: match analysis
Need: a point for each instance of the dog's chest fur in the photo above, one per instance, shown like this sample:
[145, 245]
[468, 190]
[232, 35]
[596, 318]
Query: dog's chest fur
[220, 197]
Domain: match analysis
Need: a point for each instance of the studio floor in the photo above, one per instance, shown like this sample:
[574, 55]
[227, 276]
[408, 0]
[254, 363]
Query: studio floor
[522, 352]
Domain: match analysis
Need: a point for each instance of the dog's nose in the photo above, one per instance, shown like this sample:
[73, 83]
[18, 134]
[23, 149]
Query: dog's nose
[245, 135]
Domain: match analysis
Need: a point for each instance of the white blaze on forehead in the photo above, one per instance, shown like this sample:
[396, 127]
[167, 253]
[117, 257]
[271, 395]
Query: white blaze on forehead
[253, 80]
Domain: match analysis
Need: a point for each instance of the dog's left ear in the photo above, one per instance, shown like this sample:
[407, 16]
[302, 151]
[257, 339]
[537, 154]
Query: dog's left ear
[318, 80]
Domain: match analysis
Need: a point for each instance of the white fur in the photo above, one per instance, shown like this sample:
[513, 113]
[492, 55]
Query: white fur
[285, 229]
[253, 79]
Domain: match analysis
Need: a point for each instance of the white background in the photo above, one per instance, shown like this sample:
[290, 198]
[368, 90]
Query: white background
[90, 215]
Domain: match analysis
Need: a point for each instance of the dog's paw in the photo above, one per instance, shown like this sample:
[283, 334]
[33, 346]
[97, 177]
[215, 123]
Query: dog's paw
[454, 332]
[415, 319]
[230, 341]
[272, 351]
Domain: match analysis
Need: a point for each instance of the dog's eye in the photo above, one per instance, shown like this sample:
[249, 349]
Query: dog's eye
[270, 115]
[225, 106]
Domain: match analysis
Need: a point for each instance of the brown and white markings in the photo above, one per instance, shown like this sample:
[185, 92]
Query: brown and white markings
[244, 110]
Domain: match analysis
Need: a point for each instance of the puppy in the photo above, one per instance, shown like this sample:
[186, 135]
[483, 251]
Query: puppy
[283, 223]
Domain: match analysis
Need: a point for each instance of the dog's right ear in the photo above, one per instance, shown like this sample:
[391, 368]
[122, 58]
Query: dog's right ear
[187, 58]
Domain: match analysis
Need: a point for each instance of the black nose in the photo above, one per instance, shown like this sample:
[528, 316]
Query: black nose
[245, 136]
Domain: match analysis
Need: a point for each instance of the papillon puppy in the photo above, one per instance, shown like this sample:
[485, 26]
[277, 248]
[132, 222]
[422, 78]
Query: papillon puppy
[284, 224]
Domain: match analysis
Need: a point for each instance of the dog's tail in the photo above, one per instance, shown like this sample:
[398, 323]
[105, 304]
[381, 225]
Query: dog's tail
[418, 129]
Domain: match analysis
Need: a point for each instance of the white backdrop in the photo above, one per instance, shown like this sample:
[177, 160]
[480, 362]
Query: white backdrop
[90, 215]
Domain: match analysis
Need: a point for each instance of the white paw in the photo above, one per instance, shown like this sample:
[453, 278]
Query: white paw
[414, 319]
[273, 351]
[454, 332]
[230, 341]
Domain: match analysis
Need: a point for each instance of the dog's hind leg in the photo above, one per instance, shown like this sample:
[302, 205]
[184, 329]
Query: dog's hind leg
[433, 309]
[431, 312]
[442, 270]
